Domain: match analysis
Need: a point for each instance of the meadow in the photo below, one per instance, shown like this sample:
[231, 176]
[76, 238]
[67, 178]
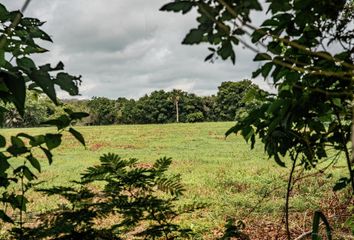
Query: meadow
[232, 180]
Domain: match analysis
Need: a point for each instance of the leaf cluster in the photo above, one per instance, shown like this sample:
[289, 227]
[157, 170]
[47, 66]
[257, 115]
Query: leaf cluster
[19, 76]
[141, 200]
[311, 112]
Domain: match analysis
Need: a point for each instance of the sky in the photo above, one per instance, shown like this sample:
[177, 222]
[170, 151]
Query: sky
[128, 48]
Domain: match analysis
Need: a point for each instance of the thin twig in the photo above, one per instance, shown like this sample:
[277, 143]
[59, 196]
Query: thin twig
[287, 199]
[25, 5]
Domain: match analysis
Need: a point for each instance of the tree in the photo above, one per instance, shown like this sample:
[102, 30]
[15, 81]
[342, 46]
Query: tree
[38, 108]
[230, 97]
[102, 111]
[307, 51]
[155, 108]
[175, 99]
[126, 110]
[210, 108]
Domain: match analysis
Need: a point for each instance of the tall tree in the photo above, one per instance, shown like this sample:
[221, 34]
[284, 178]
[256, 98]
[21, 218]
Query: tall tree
[176, 95]
[229, 98]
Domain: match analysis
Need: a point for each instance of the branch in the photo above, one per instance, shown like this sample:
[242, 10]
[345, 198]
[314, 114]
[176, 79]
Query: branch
[284, 40]
[318, 72]
[327, 93]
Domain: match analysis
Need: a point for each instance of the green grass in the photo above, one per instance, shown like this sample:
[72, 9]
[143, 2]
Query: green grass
[222, 173]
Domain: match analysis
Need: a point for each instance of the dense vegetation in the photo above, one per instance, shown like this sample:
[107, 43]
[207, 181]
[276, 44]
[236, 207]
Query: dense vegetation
[231, 101]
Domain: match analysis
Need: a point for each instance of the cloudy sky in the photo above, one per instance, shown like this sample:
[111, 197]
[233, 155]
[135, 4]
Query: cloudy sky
[126, 48]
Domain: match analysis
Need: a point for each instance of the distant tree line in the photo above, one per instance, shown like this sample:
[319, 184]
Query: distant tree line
[232, 100]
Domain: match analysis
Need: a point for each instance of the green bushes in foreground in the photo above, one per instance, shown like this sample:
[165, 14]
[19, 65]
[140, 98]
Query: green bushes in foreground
[113, 200]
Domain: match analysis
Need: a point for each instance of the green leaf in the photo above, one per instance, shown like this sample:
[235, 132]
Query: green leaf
[3, 216]
[18, 147]
[24, 135]
[341, 183]
[28, 174]
[258, 34]
[195, 36]
[279, 161]
[179, 6]
[293, 76]
[48, 154]
[35, 32]
[52, 140]
[266, 68]
[209, 57]
[2, 141]
[233, 129]
[31, 22]
[337, 102]
[49, 68]
[44, 81]
[17, 86]
[2, 58]
[67, 83]
[16, 141]
[270, 22]
[247, 132]
[26, 64]
[262, 57]
[37, 140]
[77, 135]
[279, 6]
[256, 73]
[4, 14]
[34, 162]
[4, 165]
[61, 122]
[78, 115]
[21, 202]
[226, 51]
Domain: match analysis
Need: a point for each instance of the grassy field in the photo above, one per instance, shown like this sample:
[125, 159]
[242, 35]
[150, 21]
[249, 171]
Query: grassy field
[225, 174]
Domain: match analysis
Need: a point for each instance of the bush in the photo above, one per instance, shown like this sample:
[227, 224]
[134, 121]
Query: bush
[195, 117]
[140, 199]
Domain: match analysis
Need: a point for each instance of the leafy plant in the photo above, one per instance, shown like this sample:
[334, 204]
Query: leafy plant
[19, 75]
[312, 112]
[142, 200]
[234, 230]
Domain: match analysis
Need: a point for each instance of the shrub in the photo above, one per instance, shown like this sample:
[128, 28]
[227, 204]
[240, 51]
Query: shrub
[195, 117]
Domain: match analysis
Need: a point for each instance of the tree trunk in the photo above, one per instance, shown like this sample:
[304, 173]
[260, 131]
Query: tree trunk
[177, 111]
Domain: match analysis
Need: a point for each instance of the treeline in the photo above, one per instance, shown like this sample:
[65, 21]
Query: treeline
[231, 101]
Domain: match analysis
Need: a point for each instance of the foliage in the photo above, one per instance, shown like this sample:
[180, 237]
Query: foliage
[142, 200]
[231, 98]
[38, 108]
[234, 230]
[102, 111]
[155, 108]
[195, 117]
[17, 79]
[306, 50]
